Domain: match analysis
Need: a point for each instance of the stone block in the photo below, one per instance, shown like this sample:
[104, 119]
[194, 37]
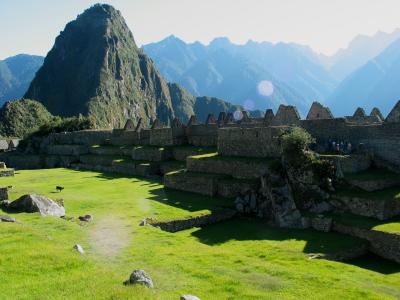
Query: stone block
[245, 168]
[198, 183]
[381, 209]
[250, 142]
[231, 188]
[151, 153]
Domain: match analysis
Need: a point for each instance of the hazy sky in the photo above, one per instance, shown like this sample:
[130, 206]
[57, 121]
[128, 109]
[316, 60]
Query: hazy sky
[30, 26]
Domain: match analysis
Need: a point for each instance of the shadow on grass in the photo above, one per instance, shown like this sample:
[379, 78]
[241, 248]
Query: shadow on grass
[248, 229]
[189, 201]
[375, 263]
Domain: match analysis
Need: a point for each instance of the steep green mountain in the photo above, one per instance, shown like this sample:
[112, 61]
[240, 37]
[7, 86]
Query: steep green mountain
[96, 69]
[22, 117]
[377, 83]
[16, 73]
[233, 72]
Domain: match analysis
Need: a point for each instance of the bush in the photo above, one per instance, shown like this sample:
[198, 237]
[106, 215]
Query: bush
[23, 117]
[57, 125]
[295, 141]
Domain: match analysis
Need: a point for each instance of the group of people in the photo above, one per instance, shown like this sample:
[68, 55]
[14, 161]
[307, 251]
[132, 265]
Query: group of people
[342, 147]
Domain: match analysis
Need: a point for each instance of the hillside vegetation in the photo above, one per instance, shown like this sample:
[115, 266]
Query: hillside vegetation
[21, 118]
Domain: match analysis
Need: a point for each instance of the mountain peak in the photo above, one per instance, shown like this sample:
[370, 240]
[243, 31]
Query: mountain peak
[220, 42]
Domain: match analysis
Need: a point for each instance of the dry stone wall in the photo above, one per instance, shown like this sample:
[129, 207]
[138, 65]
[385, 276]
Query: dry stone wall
[250, 142]
[384, 244]
[196, 221]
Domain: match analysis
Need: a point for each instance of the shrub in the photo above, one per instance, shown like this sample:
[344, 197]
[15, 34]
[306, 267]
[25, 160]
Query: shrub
[22, 117]
[57, 125]
[295, 141]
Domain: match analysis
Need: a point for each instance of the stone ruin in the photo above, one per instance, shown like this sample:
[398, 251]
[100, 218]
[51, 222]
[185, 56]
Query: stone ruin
[394, 115]
[319, 112]
[245, 148]
[286, 115]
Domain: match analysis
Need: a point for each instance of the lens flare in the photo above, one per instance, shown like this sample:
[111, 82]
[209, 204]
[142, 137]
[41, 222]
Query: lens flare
[249, 105]
[265, 88]
[237, 115]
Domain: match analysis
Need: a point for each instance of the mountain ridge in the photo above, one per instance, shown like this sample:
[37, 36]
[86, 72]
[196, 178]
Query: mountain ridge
[16, 73]
[374, 84]
[96, 69]
[298, 80]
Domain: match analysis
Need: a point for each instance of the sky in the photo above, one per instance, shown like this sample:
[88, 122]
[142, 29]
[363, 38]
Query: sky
[28, 26]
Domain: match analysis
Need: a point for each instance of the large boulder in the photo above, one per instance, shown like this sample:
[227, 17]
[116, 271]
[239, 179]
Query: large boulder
[36, 203]
[140, 277]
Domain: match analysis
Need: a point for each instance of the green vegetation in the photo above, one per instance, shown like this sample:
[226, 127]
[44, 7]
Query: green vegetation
[238, 259]
[295, 141]
[23, 117]
[57, 125]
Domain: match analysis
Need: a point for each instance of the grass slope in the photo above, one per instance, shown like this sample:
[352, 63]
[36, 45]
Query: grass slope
[238, 259]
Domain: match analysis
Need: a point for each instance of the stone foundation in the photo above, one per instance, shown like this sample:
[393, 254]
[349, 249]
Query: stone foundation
[7, 172]
[379, 209]
[197, 221]
[151, 153]
[115, 151]
[344, 255]
[204, 184]
[231, 188]
[244, 168]
[374, 184]
[67, 150]
[386, 245]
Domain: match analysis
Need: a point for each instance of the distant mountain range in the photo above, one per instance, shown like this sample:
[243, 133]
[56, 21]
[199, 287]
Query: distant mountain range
[234, 72]
[377, 83]
[255, 75]
[360, 50]
[16, 73]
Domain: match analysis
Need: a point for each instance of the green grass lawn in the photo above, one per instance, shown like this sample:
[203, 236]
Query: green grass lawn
[238, 259]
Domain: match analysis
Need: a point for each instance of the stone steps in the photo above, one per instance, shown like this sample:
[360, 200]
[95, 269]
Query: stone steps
[373, 179]
[121, 165]
[381, 205]
[67, 149]
[182, 152]
[195, 221]
[152, 153]
[142, 169]
[171, 166]
[199, 183]
[237, 167]
[111, 150]
[383, 243]
[231, 187]
[209, 184]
